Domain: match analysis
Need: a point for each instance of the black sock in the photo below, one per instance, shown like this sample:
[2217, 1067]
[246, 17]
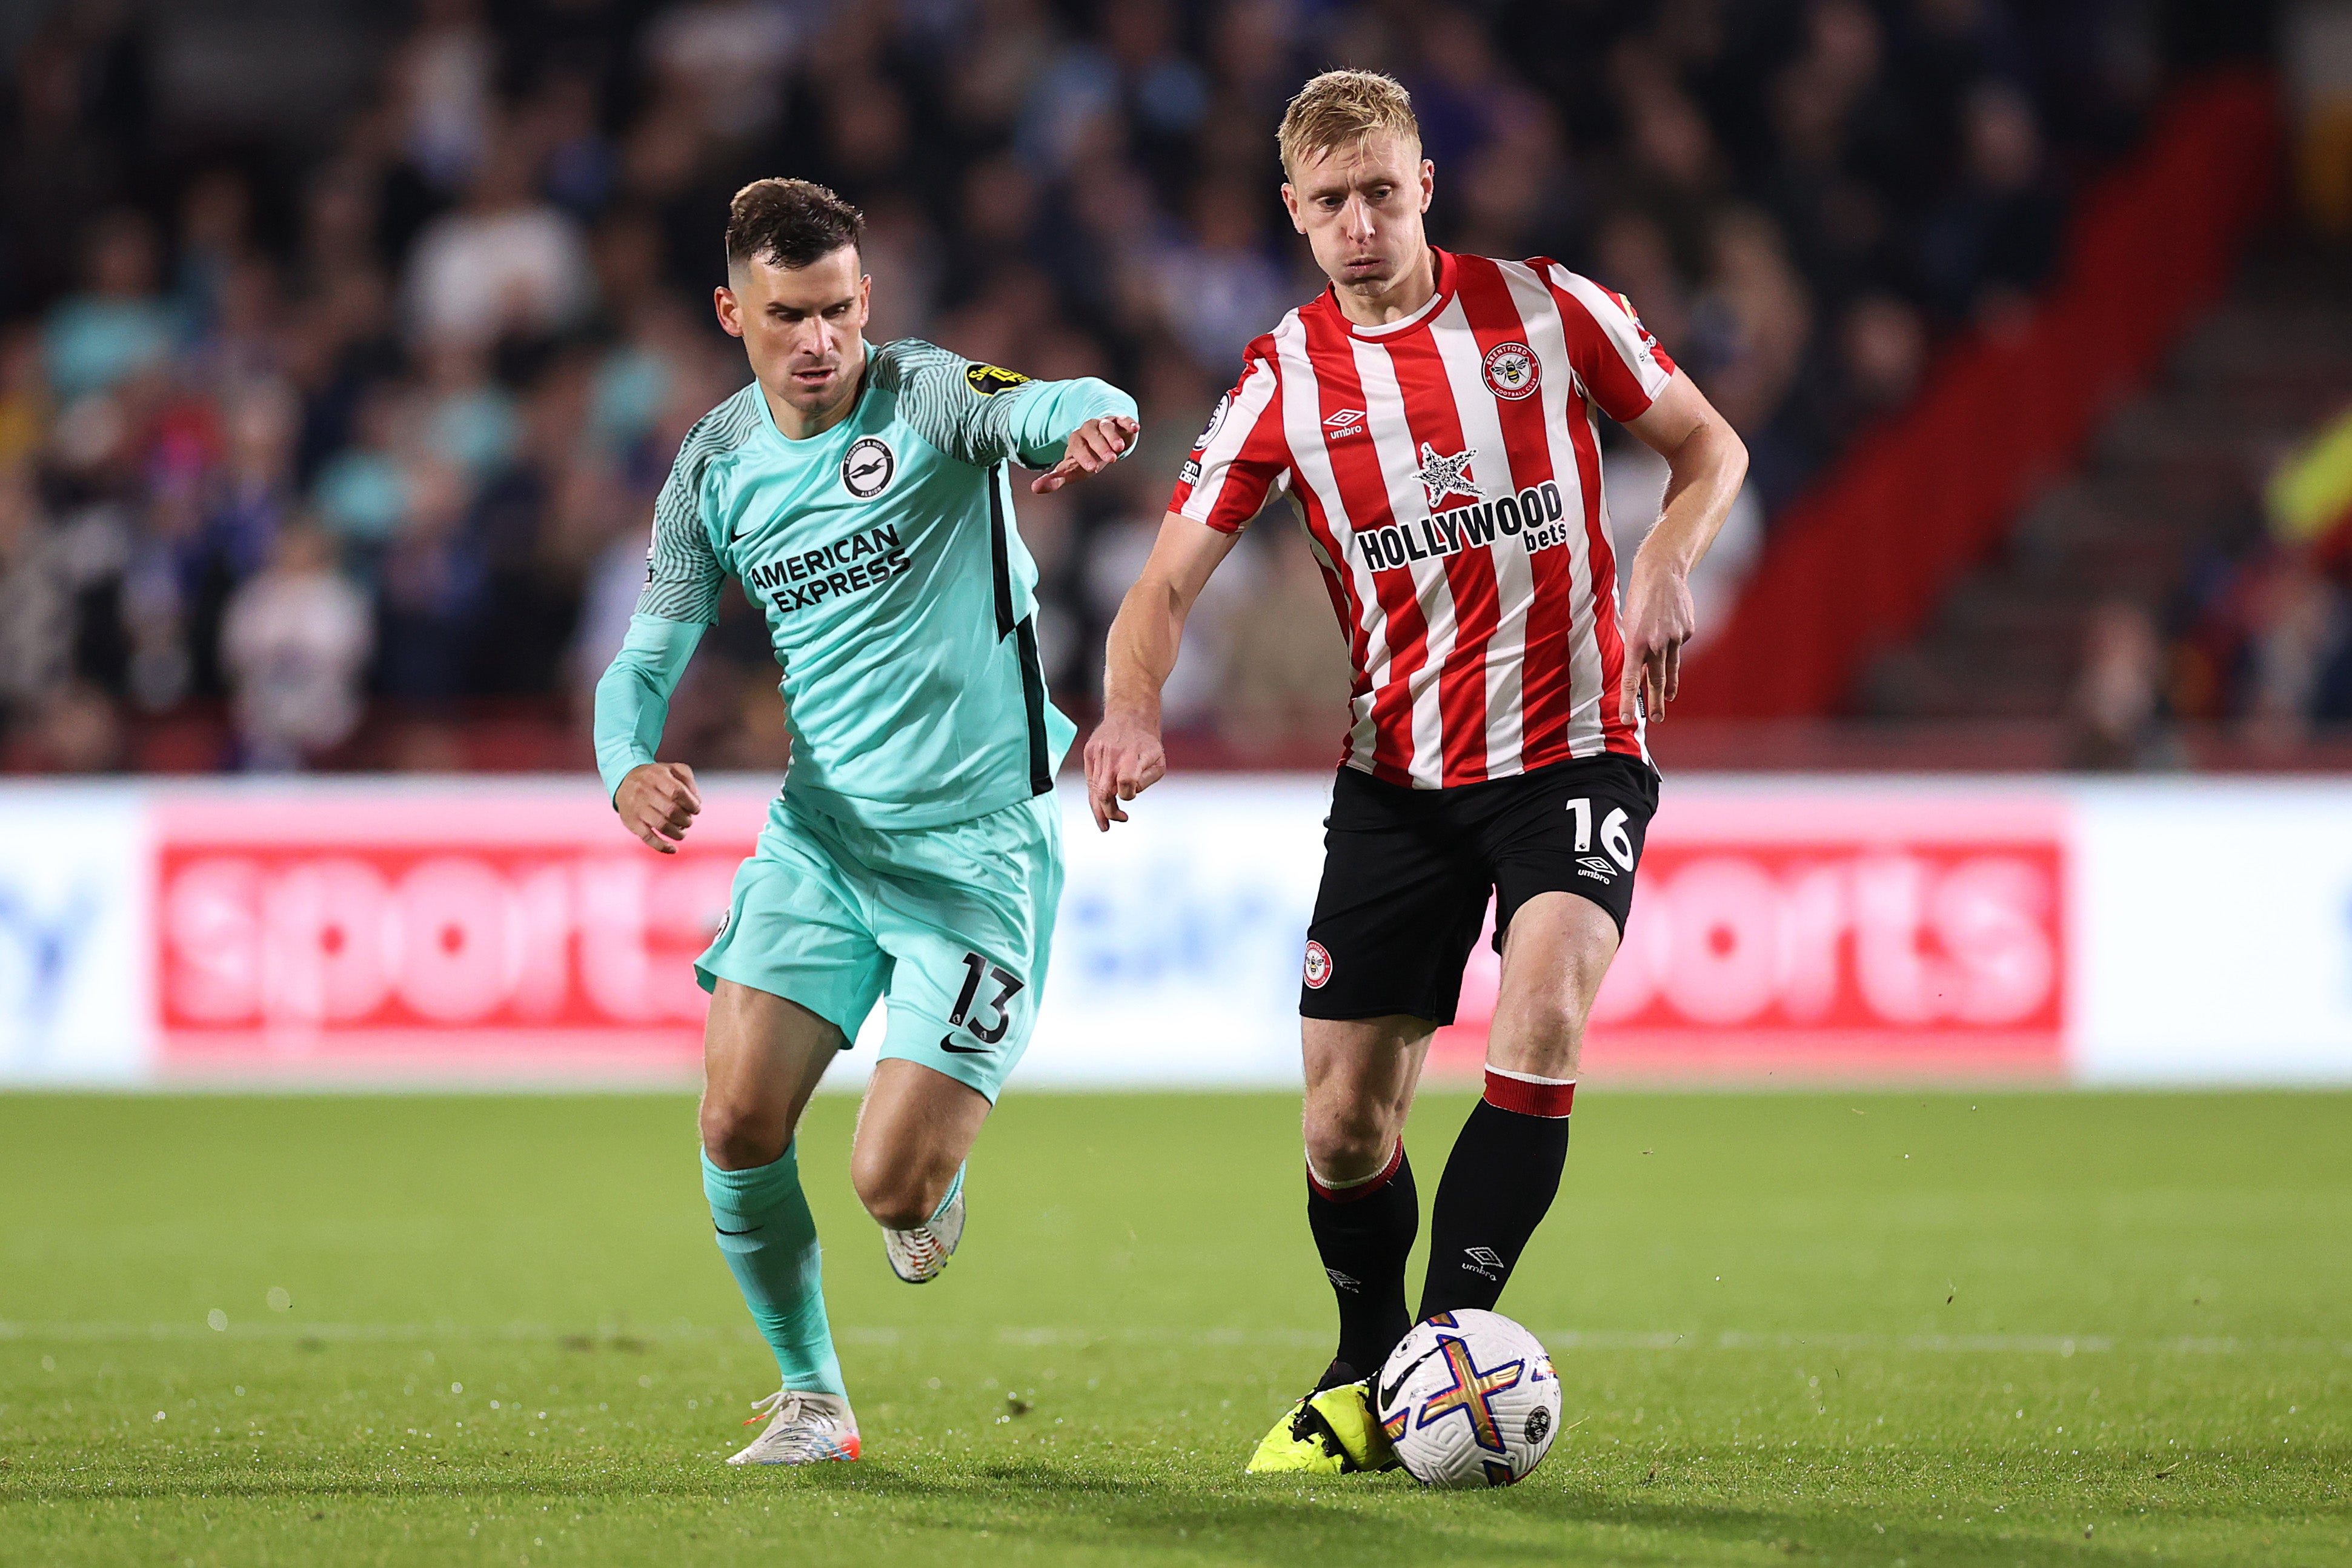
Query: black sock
[1364, 1233]
[1498, 1184]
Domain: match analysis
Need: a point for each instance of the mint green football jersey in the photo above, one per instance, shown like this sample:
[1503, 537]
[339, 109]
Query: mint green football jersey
[900, 601]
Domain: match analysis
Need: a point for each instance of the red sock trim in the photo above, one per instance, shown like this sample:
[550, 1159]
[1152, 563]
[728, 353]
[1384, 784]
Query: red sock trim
[1545, 1099]
[1362, 1189]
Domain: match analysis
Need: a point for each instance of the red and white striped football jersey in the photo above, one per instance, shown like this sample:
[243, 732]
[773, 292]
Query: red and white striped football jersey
[1447, 470]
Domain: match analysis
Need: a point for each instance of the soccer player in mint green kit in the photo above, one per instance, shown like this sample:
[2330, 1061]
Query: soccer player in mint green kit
[860, 495]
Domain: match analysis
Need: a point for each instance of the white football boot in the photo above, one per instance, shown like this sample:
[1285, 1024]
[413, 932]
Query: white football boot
[804, 1428]
[916, 1255]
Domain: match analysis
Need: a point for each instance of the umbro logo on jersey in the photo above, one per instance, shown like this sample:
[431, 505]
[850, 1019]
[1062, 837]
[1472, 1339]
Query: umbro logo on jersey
[866, 467]
[1347, 422]
[1594, 867]
[1442, 476]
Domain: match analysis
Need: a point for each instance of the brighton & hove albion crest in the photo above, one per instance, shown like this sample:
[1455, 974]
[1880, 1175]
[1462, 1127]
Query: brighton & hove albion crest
[1512, 370]
[1318, 966]
[1442, 476]
[866, 467]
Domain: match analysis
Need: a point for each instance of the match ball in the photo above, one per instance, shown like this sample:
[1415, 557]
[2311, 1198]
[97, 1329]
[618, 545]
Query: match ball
[1469, 1399]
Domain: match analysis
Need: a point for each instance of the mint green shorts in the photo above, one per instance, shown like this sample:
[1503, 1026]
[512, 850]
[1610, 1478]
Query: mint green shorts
[952, 925]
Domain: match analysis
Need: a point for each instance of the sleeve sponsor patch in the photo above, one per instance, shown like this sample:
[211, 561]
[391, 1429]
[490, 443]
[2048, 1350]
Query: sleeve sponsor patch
[988, 380]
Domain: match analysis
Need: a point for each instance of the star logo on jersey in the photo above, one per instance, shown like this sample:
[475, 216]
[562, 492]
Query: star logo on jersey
[1442, 476]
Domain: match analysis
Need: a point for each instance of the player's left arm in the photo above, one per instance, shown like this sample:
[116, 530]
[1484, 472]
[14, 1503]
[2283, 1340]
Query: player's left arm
[983, 415]
[1706, 461]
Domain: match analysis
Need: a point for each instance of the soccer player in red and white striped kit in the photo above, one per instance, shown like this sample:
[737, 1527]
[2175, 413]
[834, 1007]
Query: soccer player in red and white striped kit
[1432, 420]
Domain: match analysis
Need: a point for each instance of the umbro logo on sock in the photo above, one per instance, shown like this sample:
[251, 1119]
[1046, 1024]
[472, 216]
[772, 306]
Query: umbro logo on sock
[1342, 1281]
[1483, 1261]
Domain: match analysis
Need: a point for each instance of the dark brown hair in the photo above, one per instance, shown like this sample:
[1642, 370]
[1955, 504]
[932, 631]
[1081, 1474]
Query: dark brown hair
[789, 223]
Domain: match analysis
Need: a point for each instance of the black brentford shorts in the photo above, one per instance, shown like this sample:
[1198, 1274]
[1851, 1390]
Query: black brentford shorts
[1406, 874]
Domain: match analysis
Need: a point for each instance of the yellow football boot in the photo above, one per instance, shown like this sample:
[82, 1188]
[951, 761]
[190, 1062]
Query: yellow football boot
[1332, 1432]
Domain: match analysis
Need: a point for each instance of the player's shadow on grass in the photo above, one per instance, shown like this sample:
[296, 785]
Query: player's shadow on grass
[1328, 1519]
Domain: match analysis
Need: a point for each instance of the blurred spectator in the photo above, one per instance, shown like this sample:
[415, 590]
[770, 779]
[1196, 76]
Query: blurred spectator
[506, 261]
[295, 643]
[117, 326]
[1998, 237]
[2117, 710]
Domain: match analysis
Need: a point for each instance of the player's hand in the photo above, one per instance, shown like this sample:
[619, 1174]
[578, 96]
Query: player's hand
[1092, 447]
[657, 802]
[1659, 619]
[1124, 758]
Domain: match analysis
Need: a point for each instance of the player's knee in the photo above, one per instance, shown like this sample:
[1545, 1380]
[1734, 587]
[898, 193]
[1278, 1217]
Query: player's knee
[898, 1197]
[738, 1137]
[1349, 1137]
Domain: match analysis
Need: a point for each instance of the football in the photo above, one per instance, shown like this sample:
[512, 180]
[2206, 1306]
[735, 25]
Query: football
[1469, 1399]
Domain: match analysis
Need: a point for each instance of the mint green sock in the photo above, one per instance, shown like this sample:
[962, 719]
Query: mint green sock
[769, 1238]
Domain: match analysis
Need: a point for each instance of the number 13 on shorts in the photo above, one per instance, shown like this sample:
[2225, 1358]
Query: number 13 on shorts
[988, 1019]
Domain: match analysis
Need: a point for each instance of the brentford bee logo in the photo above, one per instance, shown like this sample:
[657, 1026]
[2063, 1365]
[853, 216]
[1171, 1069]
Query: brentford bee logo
[1318, 966]
[1512, 372]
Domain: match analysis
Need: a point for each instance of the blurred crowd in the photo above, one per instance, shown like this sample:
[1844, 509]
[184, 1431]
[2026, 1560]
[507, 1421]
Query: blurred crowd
[340, 441]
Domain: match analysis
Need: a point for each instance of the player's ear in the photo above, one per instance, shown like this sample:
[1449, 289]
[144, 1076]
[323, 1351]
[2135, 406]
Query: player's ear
[1428, 182]
[1290, 206]
[865, 297]
[731, 313]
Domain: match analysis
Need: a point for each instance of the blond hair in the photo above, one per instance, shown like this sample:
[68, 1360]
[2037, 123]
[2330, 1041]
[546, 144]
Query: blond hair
[1339, 108]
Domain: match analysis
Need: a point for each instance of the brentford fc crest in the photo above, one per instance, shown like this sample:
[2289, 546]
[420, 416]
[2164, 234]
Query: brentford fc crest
[1512, 372]
[1318, 966]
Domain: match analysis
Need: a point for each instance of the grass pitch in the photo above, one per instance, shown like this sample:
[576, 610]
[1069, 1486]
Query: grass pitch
[1896, 1330]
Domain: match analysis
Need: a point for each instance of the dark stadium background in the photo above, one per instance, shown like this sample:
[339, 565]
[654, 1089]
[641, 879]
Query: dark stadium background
[342, 346]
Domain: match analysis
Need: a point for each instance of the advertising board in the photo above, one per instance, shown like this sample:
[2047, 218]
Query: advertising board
[491, 931]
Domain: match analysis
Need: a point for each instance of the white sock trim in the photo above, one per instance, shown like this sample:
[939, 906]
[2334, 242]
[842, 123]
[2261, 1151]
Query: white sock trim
[1529, 1078]
[1329, 1186]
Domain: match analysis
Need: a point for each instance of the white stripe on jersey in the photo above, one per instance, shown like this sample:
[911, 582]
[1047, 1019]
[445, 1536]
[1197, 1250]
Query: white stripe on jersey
[1548, 336]
[1392, 435]
[1482, 431]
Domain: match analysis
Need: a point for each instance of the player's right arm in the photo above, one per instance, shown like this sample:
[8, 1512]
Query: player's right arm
[657, 801]
[1124, 756]
[1239, 458]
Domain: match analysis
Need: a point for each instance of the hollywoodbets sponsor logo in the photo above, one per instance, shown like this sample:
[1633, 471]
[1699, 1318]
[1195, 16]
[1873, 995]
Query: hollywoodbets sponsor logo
[1533, 517]
[806, 578]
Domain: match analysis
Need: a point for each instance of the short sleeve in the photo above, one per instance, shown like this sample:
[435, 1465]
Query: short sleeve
[1620, 364]
[1241, 453]
[683, 576]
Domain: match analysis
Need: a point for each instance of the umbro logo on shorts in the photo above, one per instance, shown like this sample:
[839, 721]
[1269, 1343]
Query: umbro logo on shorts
[1594, 867]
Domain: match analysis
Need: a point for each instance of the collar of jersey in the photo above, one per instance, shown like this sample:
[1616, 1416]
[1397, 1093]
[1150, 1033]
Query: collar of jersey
[814, 443]
[1435, 303]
